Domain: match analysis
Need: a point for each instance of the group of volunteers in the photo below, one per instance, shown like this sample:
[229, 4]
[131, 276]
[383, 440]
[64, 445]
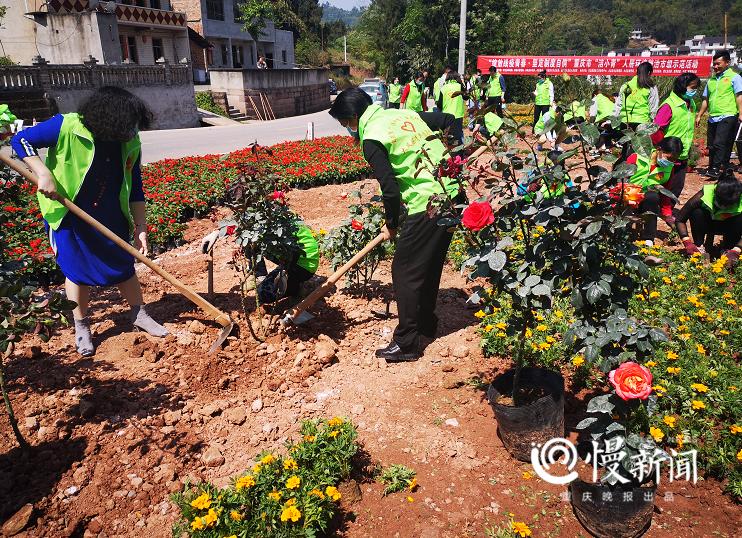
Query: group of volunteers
[94, 160]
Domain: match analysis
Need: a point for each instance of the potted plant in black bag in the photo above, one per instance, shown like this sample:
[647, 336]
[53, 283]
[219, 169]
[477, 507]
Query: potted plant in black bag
[621, 502]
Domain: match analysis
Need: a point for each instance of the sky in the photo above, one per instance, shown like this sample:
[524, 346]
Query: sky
[346, 4]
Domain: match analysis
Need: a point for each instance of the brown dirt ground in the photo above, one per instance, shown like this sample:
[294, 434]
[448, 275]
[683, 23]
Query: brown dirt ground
[113, 435]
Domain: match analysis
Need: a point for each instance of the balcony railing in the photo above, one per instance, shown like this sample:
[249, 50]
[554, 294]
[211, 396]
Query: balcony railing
[125, 14]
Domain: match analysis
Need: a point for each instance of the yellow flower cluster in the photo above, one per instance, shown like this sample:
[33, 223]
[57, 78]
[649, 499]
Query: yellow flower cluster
[578, 360]
[293, 482]
[698, 404]
[735, 429]
[523, 530]
[202, 502]
[656, 434]
[204, 522]
[290, 464]
[333, 493]
[268, 459]
[669, 420]
[290, 513]
[275, 495]
[699, 387]
[244, 482]
[335, 422]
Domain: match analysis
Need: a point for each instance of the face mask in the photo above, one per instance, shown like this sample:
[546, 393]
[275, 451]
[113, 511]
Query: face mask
[540, 81]
[664, 162]
[351, 132]
[690, 94]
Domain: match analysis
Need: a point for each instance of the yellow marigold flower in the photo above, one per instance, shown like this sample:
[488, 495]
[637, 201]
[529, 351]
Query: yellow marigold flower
[290, 502]
[523, 530]
[290, 464]
[309, 438]
[669, 421]
[529, 333]
[540, 229]
[268, 459]
[541, 327]
[731, 302]
[210, 518]
[661, 269]
[479, 314]
[735, 429]
[699, 387]
[317, 493]
[721, 280]
[698, 404]
[501, 334]
[578, 360]
[290, 513]
[671, 355]
[680, 277]
[640, 297]
[550, 339]
[732, 388]
[539, 316]
[656, 434]
[693, 299]
[501, 325]
[684, 318]
[243, 482]
[713, 373]
[322, 231]
[275, 495]
[701, 313]
[682, 328]
[293, 482]
[202, 502]
[739, 455]
[334, 422]
[559, 314]
[679, 439]
[673, 370]
[654, 294]
[334, 433]
[659, 390]
[234, 515]
[232, 536]
[526, 475]
[700, 349]
[666, 280]
[650, 364]
[256, 468]
[543, 346]
[333, 493]
[197, 524]
[684, 336]
[703, 287]
[412, 484]
[488, 328]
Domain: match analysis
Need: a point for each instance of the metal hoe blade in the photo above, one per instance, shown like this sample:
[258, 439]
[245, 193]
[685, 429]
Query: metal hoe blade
[226, 331]
[301, 318]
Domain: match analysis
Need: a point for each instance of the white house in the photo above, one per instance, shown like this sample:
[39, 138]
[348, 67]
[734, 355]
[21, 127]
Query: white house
[701, 45]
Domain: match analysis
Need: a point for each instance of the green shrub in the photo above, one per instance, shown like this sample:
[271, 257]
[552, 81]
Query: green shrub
[205, 101]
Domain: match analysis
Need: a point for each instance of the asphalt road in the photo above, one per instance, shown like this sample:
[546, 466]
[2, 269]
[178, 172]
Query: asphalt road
[175, 143]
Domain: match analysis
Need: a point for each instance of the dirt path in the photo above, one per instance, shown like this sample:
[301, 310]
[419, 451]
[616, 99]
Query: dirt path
[113, 435]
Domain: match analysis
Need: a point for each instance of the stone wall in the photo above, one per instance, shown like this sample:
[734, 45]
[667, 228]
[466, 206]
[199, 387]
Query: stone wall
[41, 91]
[291, 92]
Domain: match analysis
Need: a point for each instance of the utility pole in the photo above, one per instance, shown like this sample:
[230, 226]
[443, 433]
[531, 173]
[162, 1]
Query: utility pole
[462, 38]
[725, 31]
[345, 49]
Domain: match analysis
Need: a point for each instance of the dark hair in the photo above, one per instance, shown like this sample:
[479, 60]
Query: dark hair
[728, 189]
[723, 54]
[352, 102]
[453, 75]
[682, 82]
[114, 114]
[671, 144]
[448, 68]
[419, 75]
[644, 75]
[542, 73]
[479, 71]
[493, 68]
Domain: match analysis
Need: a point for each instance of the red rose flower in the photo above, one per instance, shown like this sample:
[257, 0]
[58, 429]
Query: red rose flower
[231, 229]
[453, 167]
[631, 381]
[477, 216]
[279, 196]
[356, 225]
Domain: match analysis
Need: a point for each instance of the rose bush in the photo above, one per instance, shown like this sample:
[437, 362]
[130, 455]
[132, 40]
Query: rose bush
[631, 381]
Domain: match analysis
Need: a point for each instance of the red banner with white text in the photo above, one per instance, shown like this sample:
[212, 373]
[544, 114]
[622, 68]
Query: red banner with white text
[621, 66]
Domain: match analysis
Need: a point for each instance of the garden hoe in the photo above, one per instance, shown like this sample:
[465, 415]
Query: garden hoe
[220, 317]
[299, 315]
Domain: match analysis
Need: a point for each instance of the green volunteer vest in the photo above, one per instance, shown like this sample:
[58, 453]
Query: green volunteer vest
[453, 105]
[575, 110]
[414, 98]
[404, 135]
[476, 92]
[310, 259]
[494, 89]
[709, 192]
[635, 108]
[682, 123]
[70, 160]
[549, 192]
[543, 92]
[395, 93]
[646, 177]
[722, 101]
[605, 107]
[437, 90]
[541, 123]
[492, 122]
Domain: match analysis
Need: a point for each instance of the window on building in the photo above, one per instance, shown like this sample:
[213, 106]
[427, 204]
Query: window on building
[158, 51]
[225, 55]
[215, 10]
[128, 46]
[283, 57]
[155, 4]
[237, 59]
[237, 11]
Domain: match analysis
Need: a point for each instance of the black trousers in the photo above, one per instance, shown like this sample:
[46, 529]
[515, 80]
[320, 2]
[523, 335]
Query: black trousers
[538, 111]
[418, 262]
[704, 228]
[677, 179]
[267, 289]
[497, 102]
[720, 139]
[650, 208]
[393, 105]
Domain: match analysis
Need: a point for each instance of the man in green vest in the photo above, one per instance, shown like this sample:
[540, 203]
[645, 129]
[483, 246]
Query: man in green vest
[413, 96]
[404, 154]
[714, 210]
[601, 111]
[544, 96]
[395, 93]
[453, 97]
[438, 84]
[495, 91]
[722, 98]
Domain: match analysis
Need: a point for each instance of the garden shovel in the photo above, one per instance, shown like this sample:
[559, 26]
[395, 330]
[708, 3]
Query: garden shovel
[220, 317]
[298, 315]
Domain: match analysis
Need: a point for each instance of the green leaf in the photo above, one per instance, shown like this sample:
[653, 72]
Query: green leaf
[497, 260]
[586, 423]
[590, 133]
[541, 289]
[601, 404]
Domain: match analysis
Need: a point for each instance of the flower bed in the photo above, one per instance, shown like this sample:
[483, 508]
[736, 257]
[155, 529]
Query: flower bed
[280, 496]
[179, 189]
[696, 373]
